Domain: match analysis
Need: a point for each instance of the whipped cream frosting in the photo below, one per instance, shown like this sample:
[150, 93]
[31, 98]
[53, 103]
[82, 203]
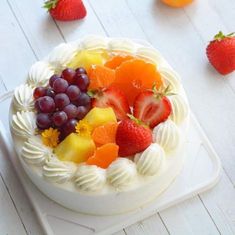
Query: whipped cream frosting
[58, 171]
[23, 124]
[35, 152]
[62, 55]
[39, 74]
[121, 172]
[167, 135]
[118, 44]
[90, 178]
[152, 55]
[170, 78]
[94, 43]
[150, 160]
[179, 108]
[23, 98]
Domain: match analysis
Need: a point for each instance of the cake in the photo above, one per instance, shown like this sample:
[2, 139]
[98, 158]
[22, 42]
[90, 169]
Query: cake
[100, 125]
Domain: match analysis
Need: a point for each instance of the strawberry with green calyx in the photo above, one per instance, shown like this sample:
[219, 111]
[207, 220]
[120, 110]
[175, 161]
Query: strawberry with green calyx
[221, 53]
[66, 10]
[132, 136]
[152, 106]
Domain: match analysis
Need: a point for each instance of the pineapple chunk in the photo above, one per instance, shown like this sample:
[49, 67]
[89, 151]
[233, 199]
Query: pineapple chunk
[86, 59]
[75, 148]
[100, 116]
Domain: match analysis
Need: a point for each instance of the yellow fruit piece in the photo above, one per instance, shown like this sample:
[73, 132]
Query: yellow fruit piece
[75, 148]
[100, 116]
[87, 58]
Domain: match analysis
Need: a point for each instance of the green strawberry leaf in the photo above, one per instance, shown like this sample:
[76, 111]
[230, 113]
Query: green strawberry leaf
[50, 4]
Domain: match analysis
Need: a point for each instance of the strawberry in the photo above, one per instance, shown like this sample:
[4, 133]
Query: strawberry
[114, 98]
[221, 53]
[66, 10]
[132, 137]
[152, 107]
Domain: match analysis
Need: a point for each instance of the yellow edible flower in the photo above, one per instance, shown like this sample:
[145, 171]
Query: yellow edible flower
[83, 128]
[50, 137]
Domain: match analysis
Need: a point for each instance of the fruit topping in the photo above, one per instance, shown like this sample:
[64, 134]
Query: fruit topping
[46, 104]
[59, 118]
[39, 92]
[114, 98]
[66, 10]
[75, 148]
[132, 137]
[87, 58]
[52, 79]
[50, 137]
[43, 120]
[68, 128]
[60, 85]
[221, 53]
[82, 81]
[61, 100]
[83, 128]
[104, 155]
[152, 107]
[73, 92]
[105, 134]
[100, 116]
[100, 77]
[117, 60]
[135, 76]
[68, 74]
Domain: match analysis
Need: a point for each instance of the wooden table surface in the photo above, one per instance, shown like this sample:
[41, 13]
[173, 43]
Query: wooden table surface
[27, 34]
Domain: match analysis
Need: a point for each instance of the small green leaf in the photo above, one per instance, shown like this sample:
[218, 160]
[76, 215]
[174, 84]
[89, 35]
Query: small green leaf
[50, 4]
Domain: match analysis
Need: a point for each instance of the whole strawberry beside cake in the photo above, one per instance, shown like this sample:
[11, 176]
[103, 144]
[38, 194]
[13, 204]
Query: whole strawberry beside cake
[100, 125]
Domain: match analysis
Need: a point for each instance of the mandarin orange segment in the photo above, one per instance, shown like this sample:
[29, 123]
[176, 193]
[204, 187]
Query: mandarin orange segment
[135, 76]
[104, 155]
[105, 134]
[177, 3]
[100, 77]
[117, 60]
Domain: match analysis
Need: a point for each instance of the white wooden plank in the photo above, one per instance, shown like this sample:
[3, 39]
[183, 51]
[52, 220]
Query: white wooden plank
[120, 233]
[149, 226]
[16, 54]
[10, 222]
[38, 27]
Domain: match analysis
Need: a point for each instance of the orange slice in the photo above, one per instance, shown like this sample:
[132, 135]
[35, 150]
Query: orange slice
[104, 155]
[105, 134]
[100, 77]
[117, 60]
[134, 76]
[177, 3]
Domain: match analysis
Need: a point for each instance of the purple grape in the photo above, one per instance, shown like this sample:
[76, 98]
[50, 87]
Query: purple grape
[60, 85]
[52, 79]
[68, 74]
[36, 106]
[82, 81]
[39, 92]
[80, 70]
[83, 100]
[59, 118]
[73, 92]
[43, 121]
[61, 100]
[82, 111]
[50, 92]
[46, 104]
[71, 111]
[69, 127]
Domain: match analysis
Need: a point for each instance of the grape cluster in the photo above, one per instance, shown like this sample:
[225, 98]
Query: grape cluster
[63, 102]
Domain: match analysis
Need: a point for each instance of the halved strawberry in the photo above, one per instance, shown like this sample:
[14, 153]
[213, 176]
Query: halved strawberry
[152, 107]
[114, 98]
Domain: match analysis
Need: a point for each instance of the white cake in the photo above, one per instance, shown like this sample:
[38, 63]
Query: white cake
[127, 183]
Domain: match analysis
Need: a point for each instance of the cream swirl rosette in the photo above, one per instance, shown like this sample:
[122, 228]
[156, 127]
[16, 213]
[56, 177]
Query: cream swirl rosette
[150, 160]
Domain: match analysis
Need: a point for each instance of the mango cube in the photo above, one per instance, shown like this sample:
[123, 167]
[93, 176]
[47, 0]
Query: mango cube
[100, 116]
[75, 148]
[87, 58]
